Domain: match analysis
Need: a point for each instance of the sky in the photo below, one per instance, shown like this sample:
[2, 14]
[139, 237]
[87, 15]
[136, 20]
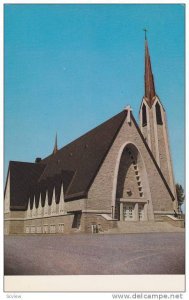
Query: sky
[68, 68]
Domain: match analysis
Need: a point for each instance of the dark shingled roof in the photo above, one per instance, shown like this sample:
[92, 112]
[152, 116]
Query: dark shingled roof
[76, 165]
[84, 156]
[22, 176]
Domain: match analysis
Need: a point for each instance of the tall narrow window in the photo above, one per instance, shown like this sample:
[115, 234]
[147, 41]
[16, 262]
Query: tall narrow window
[158, 114]
[144, 116]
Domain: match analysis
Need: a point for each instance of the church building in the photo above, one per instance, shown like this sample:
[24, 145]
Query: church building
[117, 173]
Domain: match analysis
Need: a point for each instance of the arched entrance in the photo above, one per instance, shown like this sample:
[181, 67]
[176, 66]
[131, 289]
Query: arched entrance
[132, 197]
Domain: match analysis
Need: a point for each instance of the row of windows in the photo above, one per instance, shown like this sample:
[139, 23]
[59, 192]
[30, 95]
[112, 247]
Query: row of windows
[129, 192]
[158, 114]
[45, 228]
[44, 211]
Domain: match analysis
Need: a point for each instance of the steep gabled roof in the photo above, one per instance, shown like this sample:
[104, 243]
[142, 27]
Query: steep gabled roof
[76, 164]
[84, 156]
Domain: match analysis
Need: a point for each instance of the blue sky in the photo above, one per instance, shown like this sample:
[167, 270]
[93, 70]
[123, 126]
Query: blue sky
[68, 68]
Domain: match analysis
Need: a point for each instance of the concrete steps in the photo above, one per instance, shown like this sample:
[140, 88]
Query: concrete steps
[143, 227]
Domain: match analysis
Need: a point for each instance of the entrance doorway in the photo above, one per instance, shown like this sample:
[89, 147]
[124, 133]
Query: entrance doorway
[141, 212]
[132, 186]
[128, 211]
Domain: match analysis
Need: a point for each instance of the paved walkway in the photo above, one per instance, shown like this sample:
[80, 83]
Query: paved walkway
[86, 254]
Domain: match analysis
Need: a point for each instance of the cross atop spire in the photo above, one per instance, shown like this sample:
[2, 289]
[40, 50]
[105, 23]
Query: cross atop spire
[145, 30]
[55, 145]
[149, 79]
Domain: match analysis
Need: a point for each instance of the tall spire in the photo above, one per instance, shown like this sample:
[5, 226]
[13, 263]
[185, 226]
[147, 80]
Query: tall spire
[55, 145]
[149, 79]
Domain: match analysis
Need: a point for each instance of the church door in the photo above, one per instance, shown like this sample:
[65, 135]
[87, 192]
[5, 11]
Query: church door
[128, 211]
[141, 212]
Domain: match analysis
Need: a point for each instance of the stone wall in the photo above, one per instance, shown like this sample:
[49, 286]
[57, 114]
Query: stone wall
[75, 205]
[95, 219]
[173, 221]
[14, 226]
[62, 224]
[47, 223]
[102, 192]
[14, 222]
[156, 136]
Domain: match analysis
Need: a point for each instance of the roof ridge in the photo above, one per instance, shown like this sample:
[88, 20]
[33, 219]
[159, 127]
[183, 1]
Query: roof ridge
[83, 135]
[42, 174]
